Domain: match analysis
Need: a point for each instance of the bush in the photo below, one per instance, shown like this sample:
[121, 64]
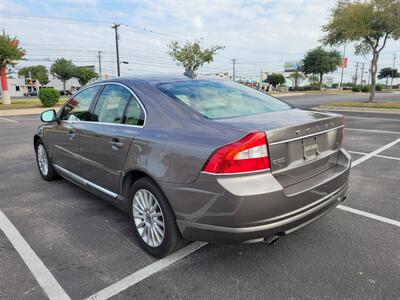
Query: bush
[366, 88]
[49, 97]
[356, 88]
[379, 87]
[304, 88]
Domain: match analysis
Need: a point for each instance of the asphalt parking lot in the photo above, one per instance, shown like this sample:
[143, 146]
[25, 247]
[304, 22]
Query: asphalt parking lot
[58, 241]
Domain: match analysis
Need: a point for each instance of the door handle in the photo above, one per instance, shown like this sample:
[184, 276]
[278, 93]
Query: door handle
[116, 144]
[71, 135]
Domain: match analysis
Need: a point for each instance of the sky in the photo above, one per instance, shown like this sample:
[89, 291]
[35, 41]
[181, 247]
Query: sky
[260, 35]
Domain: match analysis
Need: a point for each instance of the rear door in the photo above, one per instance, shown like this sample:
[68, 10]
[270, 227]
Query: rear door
[105, 140]
[63, 138]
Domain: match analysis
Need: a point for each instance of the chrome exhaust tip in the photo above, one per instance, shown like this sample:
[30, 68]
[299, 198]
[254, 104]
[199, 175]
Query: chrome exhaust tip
[271, 239]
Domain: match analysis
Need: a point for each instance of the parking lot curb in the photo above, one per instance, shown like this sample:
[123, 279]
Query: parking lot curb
[358, 109]
[25, 111]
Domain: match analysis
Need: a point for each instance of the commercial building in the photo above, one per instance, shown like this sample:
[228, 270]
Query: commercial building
[20, 87]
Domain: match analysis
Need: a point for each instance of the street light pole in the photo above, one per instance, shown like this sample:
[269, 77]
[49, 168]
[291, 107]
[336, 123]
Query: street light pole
[115, 27]
[362, 73]
[394, 61]
[233, 69]
[356, 76]
[341, 76]
[100, 65]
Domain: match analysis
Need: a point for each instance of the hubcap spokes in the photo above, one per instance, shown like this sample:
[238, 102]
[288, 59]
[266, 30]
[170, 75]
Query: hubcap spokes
[148, 218]
[42, 160]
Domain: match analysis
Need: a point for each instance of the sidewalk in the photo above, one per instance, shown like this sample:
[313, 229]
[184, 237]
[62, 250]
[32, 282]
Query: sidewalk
[25, 111]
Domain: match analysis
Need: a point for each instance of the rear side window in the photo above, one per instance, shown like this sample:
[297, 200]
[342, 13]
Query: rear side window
[77, 109]
[134, 113]
[111, 105]
[223, 99]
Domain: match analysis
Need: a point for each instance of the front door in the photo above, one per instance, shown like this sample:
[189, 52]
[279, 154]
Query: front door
[63, 138]
[105, 140]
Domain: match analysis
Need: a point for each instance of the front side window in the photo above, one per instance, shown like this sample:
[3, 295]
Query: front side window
[77, 109]
[221, 99]
[111, 105]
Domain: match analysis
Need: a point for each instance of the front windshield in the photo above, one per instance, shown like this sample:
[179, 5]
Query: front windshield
[222, 99]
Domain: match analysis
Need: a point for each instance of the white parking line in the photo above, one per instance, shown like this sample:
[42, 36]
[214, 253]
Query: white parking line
[369, 215]
[9, 120]
[356, 152]
[372, 130]
[142, 274]
[42, 275]
[373, 153]
[378, 155]
[389, 157]
[367, 118]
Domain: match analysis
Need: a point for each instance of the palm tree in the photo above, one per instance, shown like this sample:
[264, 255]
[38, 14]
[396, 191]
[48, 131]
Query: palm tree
[10, 53]
[297, 77]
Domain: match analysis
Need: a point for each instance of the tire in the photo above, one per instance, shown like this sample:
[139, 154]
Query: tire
[44, 164]
[146, 223]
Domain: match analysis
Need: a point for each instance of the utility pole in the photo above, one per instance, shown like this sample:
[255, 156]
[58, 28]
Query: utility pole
[233, 69]
[362, 72]
[115, 27]
[100, 65]
[341, 76]
[356, 76]
[394, 61]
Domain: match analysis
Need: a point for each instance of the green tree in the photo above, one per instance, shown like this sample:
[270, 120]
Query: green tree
[297, 77]
[319, 61]
[388, 73]
[369, 23]
[192, 55]
[38, 72]
[10, 53]
[63, 69]
[313, 79]
[84, 75]
[275, 79]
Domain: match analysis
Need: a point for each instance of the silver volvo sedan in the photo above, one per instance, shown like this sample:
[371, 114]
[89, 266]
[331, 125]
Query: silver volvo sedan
[197, 158]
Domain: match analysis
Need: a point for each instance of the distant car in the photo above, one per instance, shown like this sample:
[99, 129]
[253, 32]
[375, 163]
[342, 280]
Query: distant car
[30, 93]
[67, 93]
[197, 159]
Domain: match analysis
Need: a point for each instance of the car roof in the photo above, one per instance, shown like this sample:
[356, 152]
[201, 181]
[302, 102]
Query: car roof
[158, 78]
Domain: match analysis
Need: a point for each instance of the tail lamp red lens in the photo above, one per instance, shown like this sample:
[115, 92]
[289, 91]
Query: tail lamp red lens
[248, 154]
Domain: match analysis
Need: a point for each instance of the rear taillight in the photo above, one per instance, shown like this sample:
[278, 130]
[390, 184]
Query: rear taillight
[246, 155]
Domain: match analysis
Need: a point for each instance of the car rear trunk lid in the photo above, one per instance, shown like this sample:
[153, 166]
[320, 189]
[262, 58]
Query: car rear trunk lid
[302, 144]
[300, 152]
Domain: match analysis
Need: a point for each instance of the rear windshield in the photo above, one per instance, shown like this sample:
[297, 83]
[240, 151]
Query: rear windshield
[224, 99]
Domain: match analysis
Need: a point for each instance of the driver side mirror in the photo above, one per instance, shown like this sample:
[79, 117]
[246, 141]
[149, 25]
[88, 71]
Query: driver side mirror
[48, 116]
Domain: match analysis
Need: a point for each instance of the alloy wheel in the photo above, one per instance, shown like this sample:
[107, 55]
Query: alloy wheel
[42, 160]
[148, 218]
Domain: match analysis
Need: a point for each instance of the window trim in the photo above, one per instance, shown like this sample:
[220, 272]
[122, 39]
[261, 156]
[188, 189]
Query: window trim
[96, 98]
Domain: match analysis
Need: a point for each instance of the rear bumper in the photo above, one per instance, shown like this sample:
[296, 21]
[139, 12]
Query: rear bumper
[220, 234]
[248, 208]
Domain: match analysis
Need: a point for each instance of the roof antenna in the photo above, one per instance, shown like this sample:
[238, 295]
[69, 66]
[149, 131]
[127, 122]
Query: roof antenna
[190, 73]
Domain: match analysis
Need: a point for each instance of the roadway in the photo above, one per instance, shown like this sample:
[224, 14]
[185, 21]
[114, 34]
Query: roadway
[315, 99]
